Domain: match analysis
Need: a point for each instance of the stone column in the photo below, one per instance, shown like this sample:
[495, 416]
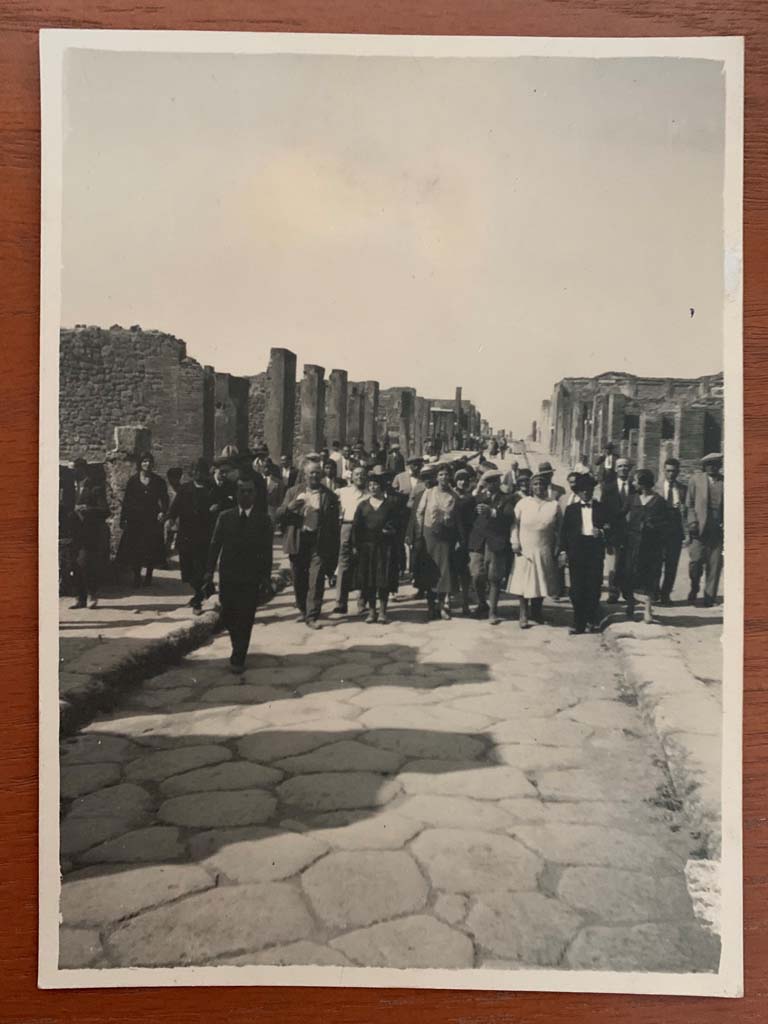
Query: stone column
[119, 465]
[370, 413]
[281, 403]
[336, 407]
[312, 408]
[355, 403]
[406, 410]
[649, 441]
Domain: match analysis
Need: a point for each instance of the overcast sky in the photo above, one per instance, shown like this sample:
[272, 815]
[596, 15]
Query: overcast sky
[497, 224]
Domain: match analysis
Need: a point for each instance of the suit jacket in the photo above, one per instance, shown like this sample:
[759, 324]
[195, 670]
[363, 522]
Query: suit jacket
[222, 496]
[697, 504]
[191, 506]
[570, 527]
[565, 500]
[88, 515]
[289, 478]
[242, 546]
[493, 531]
[395, 462]
[328, 530]
[605, 475]
[677, 516]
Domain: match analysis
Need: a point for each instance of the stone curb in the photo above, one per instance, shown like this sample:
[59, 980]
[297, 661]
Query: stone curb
[685, 717]
[84, 694]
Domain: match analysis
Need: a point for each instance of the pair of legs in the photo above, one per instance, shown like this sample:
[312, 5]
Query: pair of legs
[345, 571]
[585, 565]
[531, 608]
[308, 579]
[438, 604]
[487, 569]
[86, 579]
[377, 601]
[238, 607]
[137, 580]
[670, 560]
[706, 559]
[647, 602]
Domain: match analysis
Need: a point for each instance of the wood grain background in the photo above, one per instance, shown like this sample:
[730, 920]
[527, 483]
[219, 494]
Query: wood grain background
[20, 1001]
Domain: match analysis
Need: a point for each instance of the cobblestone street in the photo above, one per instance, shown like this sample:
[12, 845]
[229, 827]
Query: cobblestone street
[439, 794]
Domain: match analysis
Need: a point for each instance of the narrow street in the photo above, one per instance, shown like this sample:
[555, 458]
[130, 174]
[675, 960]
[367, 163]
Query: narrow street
[440, 794]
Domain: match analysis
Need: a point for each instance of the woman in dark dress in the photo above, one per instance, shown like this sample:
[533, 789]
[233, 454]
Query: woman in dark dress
[645, 523]
[375, 538]
[142, 515]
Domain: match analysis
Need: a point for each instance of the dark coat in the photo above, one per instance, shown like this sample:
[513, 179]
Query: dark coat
[493, 532]
[191, 505]
[395, 463]
[616, 507]
[376, 534]
[143, 540]
[328, 531]
[645, 529]
[87, 517]
[223, 496]
[697, 505]
[677, 517]
[243, 548]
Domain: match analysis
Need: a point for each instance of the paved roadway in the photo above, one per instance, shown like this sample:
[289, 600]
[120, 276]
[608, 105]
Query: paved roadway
[440, 794]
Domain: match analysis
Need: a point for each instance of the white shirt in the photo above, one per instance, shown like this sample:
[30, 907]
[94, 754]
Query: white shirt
[586, 520]
[672, 491]
[245, 511]
[349, 498]
[623, 487]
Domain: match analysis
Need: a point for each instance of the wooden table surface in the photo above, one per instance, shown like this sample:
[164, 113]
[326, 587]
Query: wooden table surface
[20, 1001]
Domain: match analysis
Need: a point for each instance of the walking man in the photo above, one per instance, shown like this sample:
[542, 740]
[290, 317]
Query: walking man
[309, 517]
[614, 496]
[488, 543]
[90, 536]
[349, 498]
[582, 545]
[242, 545]
[704, 504]
[674, 493]
[191, 509]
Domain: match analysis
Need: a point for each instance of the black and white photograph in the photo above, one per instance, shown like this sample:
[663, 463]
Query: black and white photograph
[387, 632]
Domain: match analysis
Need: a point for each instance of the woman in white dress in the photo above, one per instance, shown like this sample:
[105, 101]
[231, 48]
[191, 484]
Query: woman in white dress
[534, 543]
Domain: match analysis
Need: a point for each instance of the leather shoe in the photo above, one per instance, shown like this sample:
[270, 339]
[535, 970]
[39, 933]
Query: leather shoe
[313, 624]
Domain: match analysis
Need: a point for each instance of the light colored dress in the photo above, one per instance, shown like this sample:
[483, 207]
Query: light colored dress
[537, 524]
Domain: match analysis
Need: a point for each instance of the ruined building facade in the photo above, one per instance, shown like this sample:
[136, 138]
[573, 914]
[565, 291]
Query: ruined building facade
[145, 385]
[648, 418]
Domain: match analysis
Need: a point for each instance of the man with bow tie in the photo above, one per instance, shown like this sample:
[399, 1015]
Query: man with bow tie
[674, 493]
[582, 546]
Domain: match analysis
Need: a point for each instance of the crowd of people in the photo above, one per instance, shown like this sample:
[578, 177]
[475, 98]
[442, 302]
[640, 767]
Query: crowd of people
[460, 531]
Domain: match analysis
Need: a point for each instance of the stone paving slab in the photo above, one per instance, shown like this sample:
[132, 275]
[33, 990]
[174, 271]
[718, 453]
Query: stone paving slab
[434, 795]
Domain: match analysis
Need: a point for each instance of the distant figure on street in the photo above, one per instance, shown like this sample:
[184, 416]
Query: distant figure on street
[349, 498]
[645, 524]
[704, 503]
[523, 483]
[489, 543]
[534, 543]
[242, 544]
[395, 460]
[142, 515]
[582, 547]
[191, 510]
[338, 458]
[89, 536]
[331, 480]
[288, 471]
[375, 540]
[309, 517]
[605, 464]
[674, 494]
[347, 463]
[173, 478]
[509, 480]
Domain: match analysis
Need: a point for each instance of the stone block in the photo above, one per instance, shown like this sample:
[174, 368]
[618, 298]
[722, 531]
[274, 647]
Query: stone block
[418, 941]
[524, 927]
[473, 861]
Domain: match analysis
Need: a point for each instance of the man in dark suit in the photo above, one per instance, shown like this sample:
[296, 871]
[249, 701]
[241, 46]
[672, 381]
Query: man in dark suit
[191, 509]
[310, 520]
[615, 493]
[489, 543]
[90, 535]
[582, 544]
[242, 544]
[395, 460]
[674, 493]
[605, 465]
[705, 509]
[288, 471]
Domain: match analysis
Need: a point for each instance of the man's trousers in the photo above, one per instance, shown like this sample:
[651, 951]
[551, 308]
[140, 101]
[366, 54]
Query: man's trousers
[346, 570]
[308, 576]
[706, 558]
[585, 564]
[672, 547]
[238, 606]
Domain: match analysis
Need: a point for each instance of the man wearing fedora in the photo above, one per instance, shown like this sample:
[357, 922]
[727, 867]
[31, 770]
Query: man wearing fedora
[554, 491]
[395, 461]
[705, 508]
[309, 518]
[489, 543]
